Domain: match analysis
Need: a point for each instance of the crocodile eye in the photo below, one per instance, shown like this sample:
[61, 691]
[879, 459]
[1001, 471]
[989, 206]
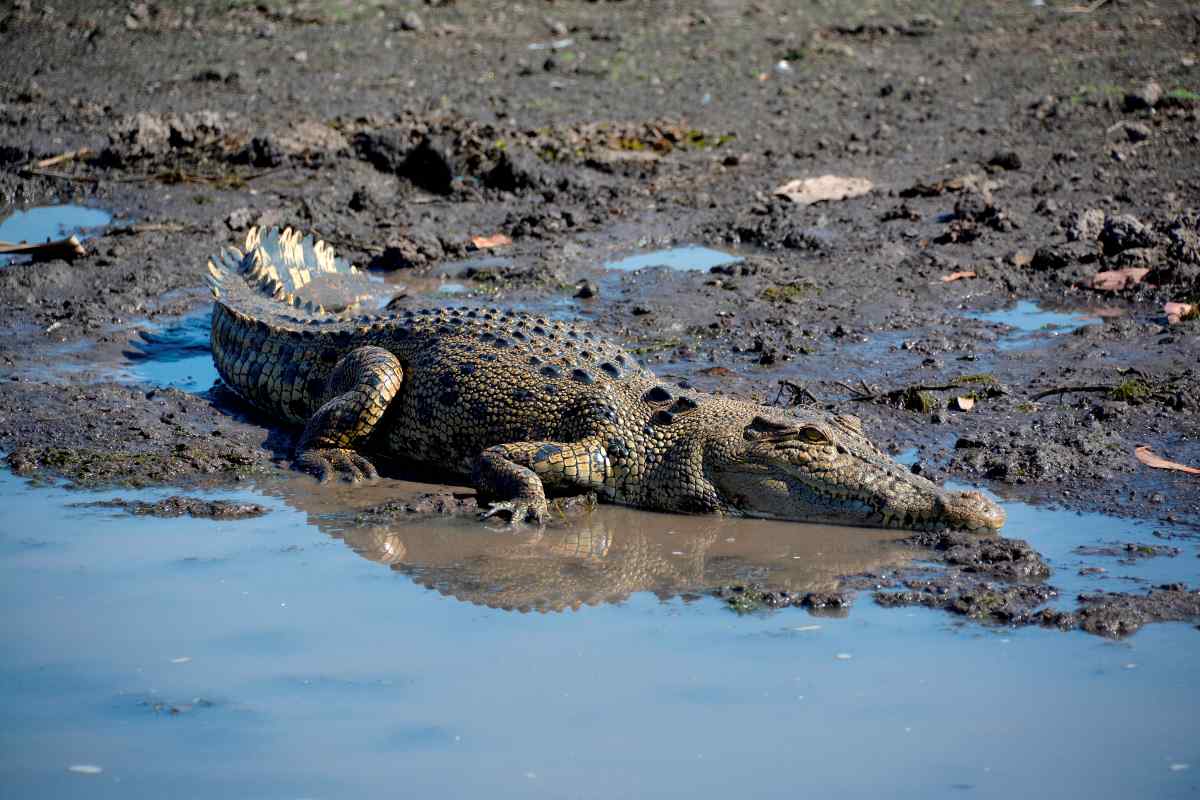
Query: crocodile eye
[813, 435]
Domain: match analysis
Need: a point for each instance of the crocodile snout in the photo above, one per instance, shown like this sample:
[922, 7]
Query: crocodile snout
[968, 511]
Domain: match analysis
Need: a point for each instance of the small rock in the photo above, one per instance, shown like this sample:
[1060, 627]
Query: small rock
[641, 311]
[385, 149]
[409, 252]
[1143, 98]
[586, 289]
[1047, 207]
[973, 206]
[1125, 232]
[517, 172]
[261, 151]
[1136, 131]
[1020, 258]
[411, 21]
[1086, 226]
[1005, 159]
[1047, 259]
[241, 218]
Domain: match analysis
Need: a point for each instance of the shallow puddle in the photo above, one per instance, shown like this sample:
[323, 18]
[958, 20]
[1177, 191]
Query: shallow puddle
[176, 355]
[302, 654]
[690, 257]
[45, 223]
[1029, 322]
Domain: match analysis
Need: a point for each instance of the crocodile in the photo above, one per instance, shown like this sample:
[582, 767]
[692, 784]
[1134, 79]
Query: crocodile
[526, 407]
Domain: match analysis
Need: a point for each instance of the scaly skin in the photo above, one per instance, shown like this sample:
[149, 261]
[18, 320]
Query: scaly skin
[522, 406]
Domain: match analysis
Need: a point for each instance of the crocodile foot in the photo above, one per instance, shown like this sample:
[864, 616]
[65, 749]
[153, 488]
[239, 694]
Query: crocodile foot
[326, 462]
[534, 511]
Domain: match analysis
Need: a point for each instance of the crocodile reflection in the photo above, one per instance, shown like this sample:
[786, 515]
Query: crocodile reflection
[590, 558]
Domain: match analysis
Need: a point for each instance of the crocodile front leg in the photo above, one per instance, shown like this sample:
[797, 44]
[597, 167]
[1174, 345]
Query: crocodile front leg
[515, 476]
[357, 393]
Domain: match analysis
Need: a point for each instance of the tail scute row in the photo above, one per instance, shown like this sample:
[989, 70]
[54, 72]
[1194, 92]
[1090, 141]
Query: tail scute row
[276, 264]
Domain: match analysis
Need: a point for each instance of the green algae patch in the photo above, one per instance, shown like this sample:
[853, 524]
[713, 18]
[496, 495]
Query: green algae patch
[1131, 391]
[788, 293]
[745, 600]
[921, 401]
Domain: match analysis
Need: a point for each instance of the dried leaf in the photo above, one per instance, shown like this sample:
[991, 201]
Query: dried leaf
[487, 242]
[1117, 279]
[954, 276]
[1147, 457]
[806, 191]
[964, 403]
[1177, 311]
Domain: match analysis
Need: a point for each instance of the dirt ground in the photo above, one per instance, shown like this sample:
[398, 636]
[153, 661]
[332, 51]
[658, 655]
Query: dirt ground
[1031, 148]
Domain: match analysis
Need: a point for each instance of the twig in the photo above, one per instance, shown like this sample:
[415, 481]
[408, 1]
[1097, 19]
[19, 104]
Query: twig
[1070, 389]
[167, 176]
[149, 227]
[797, 391]
[70, 155]
[62, 176]
[1088, 9]
[68, 248]
[866, 395]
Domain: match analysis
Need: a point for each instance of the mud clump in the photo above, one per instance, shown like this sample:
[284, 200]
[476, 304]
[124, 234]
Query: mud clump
[1118, 614]
[178, 506]
[429, 504]
[1129, 552]
[1009, 559]
[985, 602]
[751, 598]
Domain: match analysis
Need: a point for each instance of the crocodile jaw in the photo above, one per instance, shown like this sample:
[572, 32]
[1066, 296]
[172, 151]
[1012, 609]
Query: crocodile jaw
[874, 491]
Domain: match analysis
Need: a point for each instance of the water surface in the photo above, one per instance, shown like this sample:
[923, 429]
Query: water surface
[300, 668]
[1030, 322]
[177, 354]
[47, 223]
[688, 257]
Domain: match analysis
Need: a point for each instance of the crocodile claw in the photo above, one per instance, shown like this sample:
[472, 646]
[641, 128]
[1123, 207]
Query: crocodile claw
[519, 511]
[327, 462]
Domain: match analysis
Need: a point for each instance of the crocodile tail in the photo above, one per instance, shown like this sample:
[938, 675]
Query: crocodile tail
[288, 267]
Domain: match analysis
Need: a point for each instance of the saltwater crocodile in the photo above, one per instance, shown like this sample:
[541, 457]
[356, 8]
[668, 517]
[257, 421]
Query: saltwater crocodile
[523, 405]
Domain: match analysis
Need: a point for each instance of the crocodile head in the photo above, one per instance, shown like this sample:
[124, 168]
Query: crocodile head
[818, 468]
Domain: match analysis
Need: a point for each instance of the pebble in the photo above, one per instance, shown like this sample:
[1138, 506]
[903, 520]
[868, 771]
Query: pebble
[1146, 96]
[412, 22]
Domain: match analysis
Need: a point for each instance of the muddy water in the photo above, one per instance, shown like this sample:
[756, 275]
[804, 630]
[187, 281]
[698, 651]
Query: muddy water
[270, 658]
[1027, 323]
